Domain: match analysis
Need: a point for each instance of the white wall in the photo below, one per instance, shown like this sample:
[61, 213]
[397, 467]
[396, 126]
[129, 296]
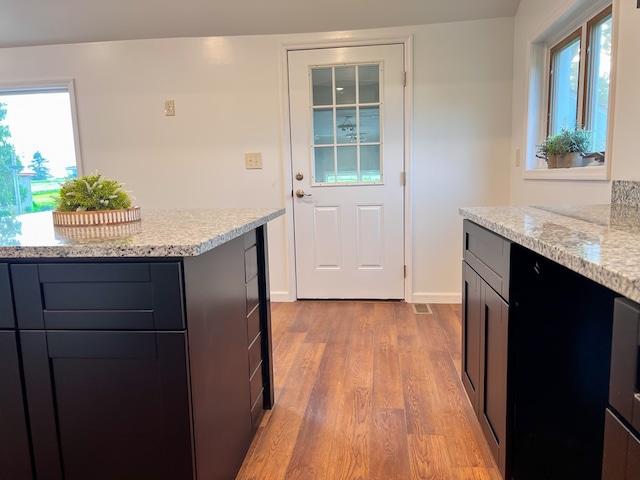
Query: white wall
[228, 101]
[532, 14]
[462, 114]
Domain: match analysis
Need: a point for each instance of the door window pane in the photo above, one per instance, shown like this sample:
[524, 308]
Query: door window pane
[348, 164]
[324, 165]
[370, 163]
[369, 83]
[369, 124]
[564, 86]
[322, 86]
[345, 85]
[323, 127]
[346, 131]
[598, 87]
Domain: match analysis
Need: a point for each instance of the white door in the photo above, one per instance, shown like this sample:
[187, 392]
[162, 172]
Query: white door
[347, 145]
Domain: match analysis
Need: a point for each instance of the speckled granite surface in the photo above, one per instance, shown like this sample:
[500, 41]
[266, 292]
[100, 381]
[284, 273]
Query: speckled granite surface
[601, 242]
[626, 192]
[161, 233]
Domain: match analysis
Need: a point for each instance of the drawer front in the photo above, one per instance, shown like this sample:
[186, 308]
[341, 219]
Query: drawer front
[621, 460]
[253, 294]
[624, 394]
[488, 254]
[250, 263]
[256, 383]
[255, 354]
[99, 296]
[249, 239]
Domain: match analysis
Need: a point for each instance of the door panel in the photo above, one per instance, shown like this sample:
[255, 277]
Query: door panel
[15, 459]
[370, 251]
[107, 405]
[327, 236]
[347, 145]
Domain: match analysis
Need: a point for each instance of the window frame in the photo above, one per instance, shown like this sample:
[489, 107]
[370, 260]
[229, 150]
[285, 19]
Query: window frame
[553, 34]
[51, 86]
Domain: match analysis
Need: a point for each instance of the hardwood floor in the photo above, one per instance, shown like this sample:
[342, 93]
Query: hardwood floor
[367, 390]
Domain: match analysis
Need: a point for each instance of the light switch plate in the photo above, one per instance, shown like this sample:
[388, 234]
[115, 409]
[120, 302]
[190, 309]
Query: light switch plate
[253, 160]
[169, 108]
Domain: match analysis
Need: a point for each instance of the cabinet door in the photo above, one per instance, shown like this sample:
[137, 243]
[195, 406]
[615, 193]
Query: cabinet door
[107, 405]
[471, 307]
[7, 319]
[494, 329]
[15, 460]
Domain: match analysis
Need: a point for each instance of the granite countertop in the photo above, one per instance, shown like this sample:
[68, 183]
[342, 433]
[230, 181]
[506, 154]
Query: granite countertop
[601, 242]
[160, 233]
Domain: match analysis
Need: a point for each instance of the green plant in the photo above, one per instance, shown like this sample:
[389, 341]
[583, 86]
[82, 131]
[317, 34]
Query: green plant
[91, 192]
[567, 141]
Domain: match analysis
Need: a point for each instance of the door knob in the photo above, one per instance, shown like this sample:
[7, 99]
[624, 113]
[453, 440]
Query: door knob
[300, 193]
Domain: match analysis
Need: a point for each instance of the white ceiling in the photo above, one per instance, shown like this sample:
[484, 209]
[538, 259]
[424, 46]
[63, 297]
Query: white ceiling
[40, 22]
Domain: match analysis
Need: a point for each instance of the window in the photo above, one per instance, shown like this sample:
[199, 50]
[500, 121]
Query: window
[38, 146]
[580, 96]
[570, 86]
[346, 112]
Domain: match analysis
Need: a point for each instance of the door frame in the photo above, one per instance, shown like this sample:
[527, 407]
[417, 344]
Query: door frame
[350, 41]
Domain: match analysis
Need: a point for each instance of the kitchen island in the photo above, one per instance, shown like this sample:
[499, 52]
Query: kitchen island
[541, 289]
[140, 351]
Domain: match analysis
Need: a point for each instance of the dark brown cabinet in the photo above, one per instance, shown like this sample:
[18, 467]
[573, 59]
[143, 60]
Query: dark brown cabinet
[15, 458]
[137, 368]
[107, 405]
[485, 340]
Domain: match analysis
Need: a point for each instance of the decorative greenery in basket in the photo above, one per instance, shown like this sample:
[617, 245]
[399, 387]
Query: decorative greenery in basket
[93, 200]
[92, 192]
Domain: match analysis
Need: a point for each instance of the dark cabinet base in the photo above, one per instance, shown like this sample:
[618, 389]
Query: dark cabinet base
[134, 369]
[561, 336]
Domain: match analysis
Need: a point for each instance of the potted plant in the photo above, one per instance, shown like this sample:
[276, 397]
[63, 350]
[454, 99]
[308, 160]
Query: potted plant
[565, 149]
[93, 200]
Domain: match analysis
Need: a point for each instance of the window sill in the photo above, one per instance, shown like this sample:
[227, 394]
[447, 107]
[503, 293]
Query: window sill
[599, 172]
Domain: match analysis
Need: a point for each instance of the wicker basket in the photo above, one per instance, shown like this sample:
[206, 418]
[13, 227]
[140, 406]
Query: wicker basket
[97, 217]
[97, 232]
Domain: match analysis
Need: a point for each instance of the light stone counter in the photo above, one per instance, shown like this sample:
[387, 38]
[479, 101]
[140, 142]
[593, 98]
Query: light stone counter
[161, 233]
[601, 242]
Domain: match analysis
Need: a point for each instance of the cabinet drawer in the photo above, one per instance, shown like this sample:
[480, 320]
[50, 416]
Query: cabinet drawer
[255, 354]
[249, 239]
[256, 385]
[104, 296]
[488, 254]
[253, 294]
[253, 325]
[250, 263]
[621, 460]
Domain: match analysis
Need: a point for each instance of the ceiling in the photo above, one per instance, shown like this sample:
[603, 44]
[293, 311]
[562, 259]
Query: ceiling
[41, 22]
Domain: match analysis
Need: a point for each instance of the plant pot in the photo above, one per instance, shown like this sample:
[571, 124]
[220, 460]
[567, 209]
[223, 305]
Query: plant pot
[569, 160]
[96, 217]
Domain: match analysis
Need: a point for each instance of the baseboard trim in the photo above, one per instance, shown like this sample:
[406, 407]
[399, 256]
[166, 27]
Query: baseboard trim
[426, 297]
[282, 297]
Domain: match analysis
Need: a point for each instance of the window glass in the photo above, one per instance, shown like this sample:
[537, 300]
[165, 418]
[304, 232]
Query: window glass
[345, 85]
[322, 86]
[37, 148]
[565, 70]
[597, 105]
[346, 134]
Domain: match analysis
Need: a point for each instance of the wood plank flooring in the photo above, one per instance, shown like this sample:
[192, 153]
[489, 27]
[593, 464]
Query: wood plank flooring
[367, 390]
